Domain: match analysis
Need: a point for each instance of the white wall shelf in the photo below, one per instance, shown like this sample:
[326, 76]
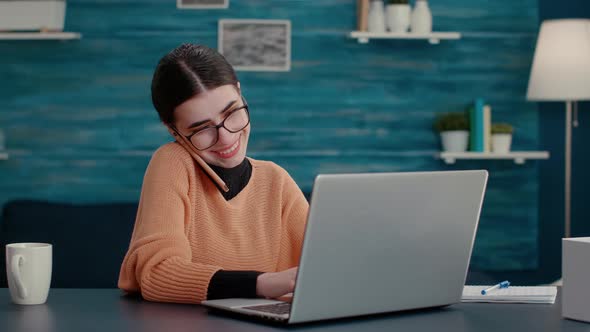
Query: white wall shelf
[39, 35]
[3, 155]
[519, 156]
[433, 37]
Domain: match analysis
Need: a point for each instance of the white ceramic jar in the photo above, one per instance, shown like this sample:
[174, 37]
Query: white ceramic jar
[421, 18]
[398, 17]
[376, 19]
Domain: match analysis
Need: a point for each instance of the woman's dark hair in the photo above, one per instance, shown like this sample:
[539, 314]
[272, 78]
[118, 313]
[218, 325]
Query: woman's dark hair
[184, 73]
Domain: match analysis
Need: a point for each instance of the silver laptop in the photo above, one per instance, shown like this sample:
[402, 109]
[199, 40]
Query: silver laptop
[380, 242]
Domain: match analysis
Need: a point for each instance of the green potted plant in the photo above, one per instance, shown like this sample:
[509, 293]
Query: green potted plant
[501, 137]
[397, 15]
[454, 131]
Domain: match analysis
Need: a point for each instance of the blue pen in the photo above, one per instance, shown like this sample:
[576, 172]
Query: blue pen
[503, 284]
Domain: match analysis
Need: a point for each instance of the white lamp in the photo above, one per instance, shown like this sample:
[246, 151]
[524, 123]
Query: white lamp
[561, 72]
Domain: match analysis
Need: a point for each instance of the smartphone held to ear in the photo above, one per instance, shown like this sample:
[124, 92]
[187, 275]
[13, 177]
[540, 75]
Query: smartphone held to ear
[189, 147]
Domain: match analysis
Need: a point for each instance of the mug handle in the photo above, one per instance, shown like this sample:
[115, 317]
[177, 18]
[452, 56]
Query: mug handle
[17, 261]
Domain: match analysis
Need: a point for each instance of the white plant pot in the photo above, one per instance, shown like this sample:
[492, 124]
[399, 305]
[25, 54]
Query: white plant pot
[32, 15]
[455, 140]
[376, 18]
[398, 17]
[421, 18]
[501, 143]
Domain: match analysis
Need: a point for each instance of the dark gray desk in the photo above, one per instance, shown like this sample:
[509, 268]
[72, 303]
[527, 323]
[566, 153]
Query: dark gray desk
[106, 310]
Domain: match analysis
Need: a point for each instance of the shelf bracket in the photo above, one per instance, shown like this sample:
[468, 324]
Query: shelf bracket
[519, 161]
[449, 160]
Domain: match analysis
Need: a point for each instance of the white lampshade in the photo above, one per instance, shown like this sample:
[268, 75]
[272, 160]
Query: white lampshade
[561, 67]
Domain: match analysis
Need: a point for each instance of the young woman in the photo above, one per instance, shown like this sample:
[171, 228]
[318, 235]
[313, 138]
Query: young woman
[211, 222]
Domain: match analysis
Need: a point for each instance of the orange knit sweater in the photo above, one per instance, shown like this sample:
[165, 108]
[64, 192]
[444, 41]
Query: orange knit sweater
[185, 230]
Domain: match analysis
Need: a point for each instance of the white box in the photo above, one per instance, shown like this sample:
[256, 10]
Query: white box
[575, 296]
[17, 15]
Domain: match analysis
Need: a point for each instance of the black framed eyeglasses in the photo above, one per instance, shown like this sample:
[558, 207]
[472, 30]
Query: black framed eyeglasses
[206, 137]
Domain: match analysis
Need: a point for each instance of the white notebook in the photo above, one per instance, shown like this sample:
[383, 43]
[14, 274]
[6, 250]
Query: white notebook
[512, 294]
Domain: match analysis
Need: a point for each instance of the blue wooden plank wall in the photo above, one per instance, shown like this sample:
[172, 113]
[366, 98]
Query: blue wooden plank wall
[80, 126]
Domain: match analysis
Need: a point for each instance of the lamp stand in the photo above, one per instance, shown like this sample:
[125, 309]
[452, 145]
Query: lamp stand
[568, 175]
[568, 166]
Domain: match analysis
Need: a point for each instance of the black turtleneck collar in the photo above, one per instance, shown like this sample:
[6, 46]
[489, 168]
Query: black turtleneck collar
[236, 178]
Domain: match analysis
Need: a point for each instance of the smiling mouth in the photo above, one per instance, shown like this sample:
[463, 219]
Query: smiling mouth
[231, 151]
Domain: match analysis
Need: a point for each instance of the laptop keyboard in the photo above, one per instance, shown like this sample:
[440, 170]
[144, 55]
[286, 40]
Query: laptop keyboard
[277, 308]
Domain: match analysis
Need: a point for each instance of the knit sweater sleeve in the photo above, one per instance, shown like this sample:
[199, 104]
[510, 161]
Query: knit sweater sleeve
[294, 217]
[158, 262]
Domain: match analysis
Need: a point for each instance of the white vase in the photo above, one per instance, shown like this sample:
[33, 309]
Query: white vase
[398, 17]
[376, 17]
[501, 143]
[455, 140]
[421, 18]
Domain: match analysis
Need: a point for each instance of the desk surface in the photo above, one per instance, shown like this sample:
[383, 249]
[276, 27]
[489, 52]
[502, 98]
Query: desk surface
[107, 310]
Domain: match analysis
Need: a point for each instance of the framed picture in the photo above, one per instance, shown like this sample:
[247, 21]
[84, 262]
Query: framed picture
[256, 45]
[202, 4]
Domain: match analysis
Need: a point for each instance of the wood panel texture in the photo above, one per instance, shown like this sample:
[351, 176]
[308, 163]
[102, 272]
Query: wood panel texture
[80, 126]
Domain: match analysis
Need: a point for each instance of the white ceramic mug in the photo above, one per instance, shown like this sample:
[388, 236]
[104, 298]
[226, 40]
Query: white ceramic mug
[28, 268]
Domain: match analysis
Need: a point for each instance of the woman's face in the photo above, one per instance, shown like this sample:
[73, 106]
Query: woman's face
[210, 108]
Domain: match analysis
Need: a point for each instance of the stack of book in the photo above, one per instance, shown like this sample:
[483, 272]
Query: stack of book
[480, 124]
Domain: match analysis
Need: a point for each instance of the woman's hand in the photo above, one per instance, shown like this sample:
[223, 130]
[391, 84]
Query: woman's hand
[274, 284]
